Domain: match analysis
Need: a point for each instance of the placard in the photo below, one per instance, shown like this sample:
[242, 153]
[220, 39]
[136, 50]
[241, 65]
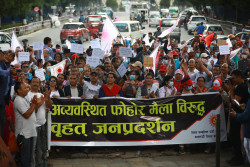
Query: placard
[148, 61]
[125, 52]
[92, 61]
[221, 42]
[95, 44]
[38, 45]
[23, 56]
[40, 74]
[122, 70]
[97, 52]
[76, 48]
[224, 50]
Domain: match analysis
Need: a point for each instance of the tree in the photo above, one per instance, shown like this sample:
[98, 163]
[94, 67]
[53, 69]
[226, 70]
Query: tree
[165, 3]
[112, 3]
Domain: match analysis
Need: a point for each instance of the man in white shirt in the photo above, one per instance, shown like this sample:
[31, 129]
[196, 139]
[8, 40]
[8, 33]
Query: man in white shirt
[191, 67]
[43, 102]
[25, 123]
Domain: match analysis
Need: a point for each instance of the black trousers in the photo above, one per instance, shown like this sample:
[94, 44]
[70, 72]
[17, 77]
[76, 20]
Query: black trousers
[235, 137]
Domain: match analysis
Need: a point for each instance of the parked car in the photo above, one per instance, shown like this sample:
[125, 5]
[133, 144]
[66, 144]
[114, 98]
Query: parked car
[210, 28]
[194, 21]
[164, 12]
[243, 35]
[154, 20]
[130, 29]
[94, 23]
[5, 41]
[75, 29]
[169, 22]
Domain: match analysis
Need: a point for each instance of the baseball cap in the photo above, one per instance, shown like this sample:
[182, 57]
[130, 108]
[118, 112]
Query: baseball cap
[25, 40]
[107, 55]
[174, 52]
[204, 55]
[217, 84]
[179, 71]
[137, 64]
[231, 36]
[74, 56]
[163, 68]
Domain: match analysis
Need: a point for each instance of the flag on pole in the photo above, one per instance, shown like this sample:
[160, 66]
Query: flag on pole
[15, 43]
[109, 33]
[169, 30]
[154, 55]
[209, 39]
[229, 43]
[234, 52]
[182, 46]
[146, 40]
[58, 68]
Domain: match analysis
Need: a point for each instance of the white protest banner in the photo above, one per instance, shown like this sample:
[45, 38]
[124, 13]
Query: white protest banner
[154, 54]
[15, 43]
[122, 70]
[146, 39]
[92, 61]
[229, 43]
[23, 56]
[38, 45]
[125, 52]
[76, 48]
[234, 52]
[58, 68]
[97, 52]
[95, 44]
[157, 44]
[166, 32]
[109, 33]
[224, 50]
[40, 74]
[183, 45]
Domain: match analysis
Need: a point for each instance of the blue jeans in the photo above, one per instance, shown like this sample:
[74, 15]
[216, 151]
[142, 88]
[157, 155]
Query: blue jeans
[25, 147]
[41, 146]
[2, 119]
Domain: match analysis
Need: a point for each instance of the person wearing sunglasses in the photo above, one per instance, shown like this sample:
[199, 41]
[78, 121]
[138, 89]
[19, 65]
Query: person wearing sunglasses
[25, 68]
[53, 87]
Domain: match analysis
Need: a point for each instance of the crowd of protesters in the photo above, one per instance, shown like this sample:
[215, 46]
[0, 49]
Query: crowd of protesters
[25, 99]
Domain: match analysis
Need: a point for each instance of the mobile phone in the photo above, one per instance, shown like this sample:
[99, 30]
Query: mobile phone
[236, 102]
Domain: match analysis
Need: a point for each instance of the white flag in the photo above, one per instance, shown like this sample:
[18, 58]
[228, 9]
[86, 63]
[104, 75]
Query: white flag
[15, 43]
[58, 68]
[109, 33]
[234, 52]
[146, 40]
[169, 30]
[154, 55]
[229, 43]
[68, 44]
[182, 46]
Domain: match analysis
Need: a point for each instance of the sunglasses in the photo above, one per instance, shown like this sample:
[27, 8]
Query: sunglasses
[25, 66]
[52, 80]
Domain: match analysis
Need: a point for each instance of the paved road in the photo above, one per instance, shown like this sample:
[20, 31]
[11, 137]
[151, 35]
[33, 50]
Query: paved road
[54, 33]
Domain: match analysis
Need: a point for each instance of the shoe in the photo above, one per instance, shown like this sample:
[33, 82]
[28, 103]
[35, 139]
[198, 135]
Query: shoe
[182, 152]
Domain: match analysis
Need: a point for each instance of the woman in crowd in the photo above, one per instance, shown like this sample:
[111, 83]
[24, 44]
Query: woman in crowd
[148, 90]
[46, 67]
[131, 85]
[167, 88]
[187, 85]
[53, 87]
[58, 57]
[110, 89]
[201, 85]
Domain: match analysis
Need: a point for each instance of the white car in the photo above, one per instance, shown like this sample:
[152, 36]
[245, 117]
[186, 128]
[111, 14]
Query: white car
[130, 29]
[194, 21]
[243, 35]
[5, 41]
[154, 20]
[210, 28]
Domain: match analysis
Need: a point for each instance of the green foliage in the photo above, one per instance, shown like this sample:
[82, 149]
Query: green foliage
[112, 3]
[165, 3]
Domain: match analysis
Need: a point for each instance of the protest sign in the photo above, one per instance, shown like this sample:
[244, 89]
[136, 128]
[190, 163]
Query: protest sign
[40, 74]
[95, 44]
[92, 61]
[38, 45]
[23, 56]
[224, 50]
[76, 48]
[122, 70]
[221, 42]
[125, 52]
[148, 61]
[97, 52]
[114, 121]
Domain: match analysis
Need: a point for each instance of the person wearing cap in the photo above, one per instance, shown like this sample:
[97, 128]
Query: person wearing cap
[187, 86]
[74, 58]
[214, 52]
[203, 71]
[205, 58]
[90, 89]
[148, 89]
[167, 88]
[239, 41]
[70, 39]
[162, 74]
[110, 89]
[176, 59]
[25, 45]
[232, 39]
[138, 66]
